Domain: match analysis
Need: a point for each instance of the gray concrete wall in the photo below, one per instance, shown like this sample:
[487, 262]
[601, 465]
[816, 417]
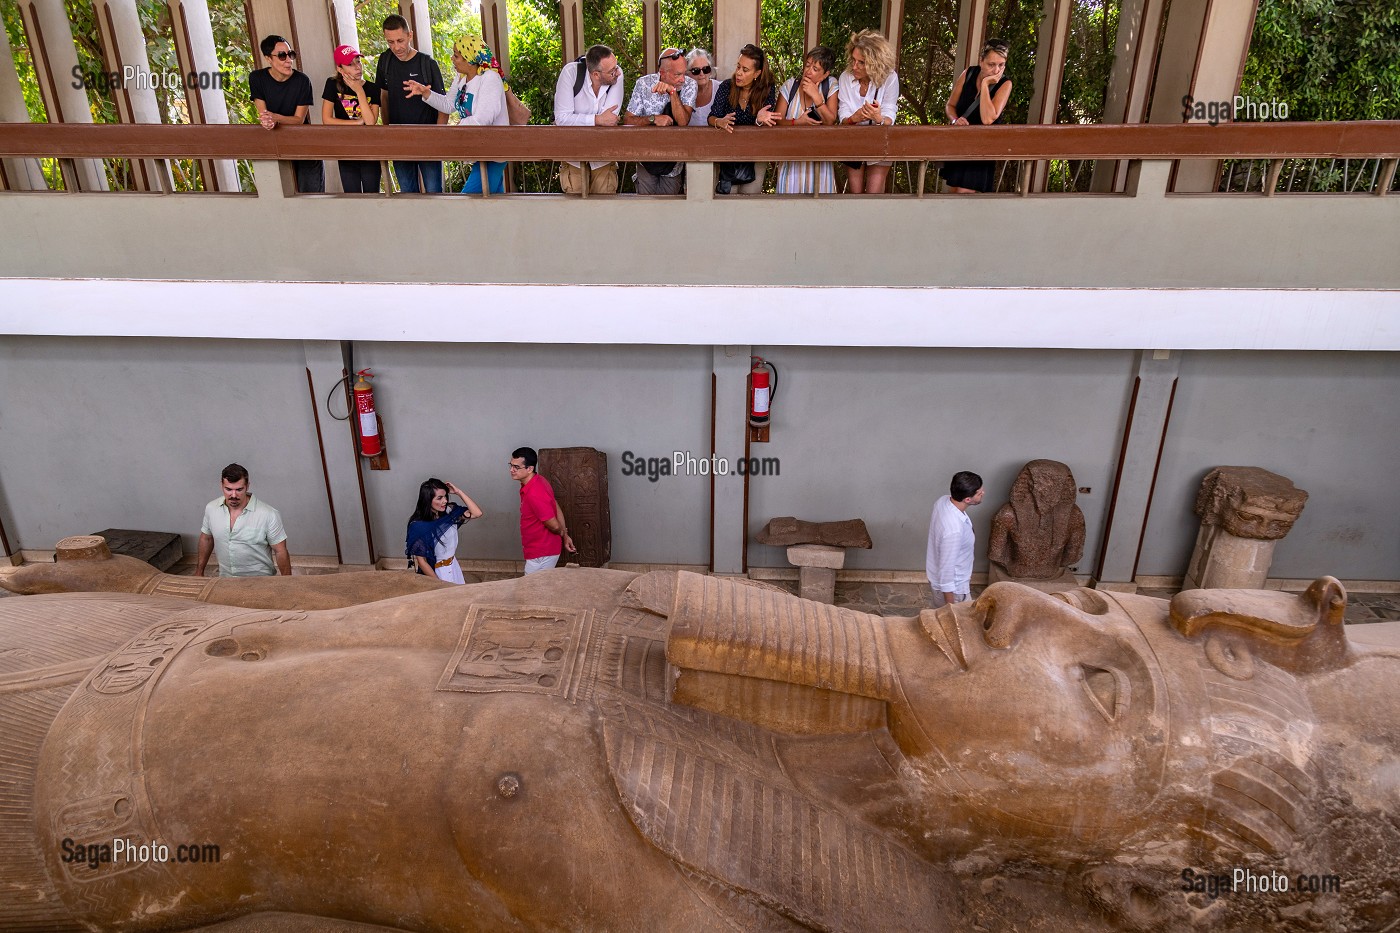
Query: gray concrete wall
[1151, 240]
[456, 411]
[878, 434]
[1327, 421]
[132, 433]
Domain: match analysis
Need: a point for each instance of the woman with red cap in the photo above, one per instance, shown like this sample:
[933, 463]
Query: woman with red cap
[350, 100]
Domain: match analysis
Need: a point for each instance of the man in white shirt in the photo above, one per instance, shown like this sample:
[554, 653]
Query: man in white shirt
[245, 531]
[950, 540]
[589, 93]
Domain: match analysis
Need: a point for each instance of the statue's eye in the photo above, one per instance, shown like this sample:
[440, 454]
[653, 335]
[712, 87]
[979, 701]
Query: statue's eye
[1103, 687]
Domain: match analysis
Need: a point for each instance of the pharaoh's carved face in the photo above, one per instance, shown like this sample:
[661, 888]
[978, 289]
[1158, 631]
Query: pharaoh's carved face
[1051, 715]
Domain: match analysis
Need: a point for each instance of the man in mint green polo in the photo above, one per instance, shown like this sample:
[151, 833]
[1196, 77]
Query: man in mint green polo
[246, 533]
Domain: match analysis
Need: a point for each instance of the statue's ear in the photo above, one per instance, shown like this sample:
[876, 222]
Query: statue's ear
[1300, 633]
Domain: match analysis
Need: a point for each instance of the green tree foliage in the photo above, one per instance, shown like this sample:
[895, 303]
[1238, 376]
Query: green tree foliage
[1018, 22]
[688, 24]
[1088, 60]
[840, 18]
[926, 55]
[782, 26]
[1327, 59]
[618, 25]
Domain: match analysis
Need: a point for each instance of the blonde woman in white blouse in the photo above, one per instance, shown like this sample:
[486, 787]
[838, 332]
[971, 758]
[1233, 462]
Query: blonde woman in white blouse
[868, 93]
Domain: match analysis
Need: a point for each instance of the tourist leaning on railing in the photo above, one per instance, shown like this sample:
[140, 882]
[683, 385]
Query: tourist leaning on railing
[809, 100]
[350, 100]
[662, 99]
[978, 98]
[699, 65]
[746, 99]
[399, 64]
[282, 94]
[477, 97]
[589, 93]
[869, 91]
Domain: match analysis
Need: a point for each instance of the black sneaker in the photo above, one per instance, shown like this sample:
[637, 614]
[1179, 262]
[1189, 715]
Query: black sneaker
[723, 186]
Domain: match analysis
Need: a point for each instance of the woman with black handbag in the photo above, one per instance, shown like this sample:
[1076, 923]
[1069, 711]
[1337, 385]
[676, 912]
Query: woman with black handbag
[746, 99]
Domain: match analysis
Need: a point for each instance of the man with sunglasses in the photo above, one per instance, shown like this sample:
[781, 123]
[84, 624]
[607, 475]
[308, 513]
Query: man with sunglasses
[589, 93]
[662, 99]
[283, 95]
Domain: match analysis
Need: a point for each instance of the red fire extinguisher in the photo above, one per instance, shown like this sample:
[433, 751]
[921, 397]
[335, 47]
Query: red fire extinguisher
[368, 427]
[762, 391]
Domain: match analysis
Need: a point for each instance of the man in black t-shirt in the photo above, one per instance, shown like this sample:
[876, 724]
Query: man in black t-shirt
[283, 95]
[400, 63]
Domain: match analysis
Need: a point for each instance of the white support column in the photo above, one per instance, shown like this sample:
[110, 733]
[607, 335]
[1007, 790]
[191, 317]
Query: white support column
[495, 29]
[325, 366]
[652, 42]
[315, 58]
[972, 31]
[18, 174]
[1130, 81]
[55, 58]
[1143, 435]
[194, 49]
[812, 27]
[892, 22]
[343, 28]
[736, 25]
[731, 426]
[571, 23]
[1049, 76]
[421, 22]
[1203, 55]
[124, 47]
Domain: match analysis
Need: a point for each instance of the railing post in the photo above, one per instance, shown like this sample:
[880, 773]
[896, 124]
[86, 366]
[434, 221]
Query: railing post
[274, 180]
[1148, 178]
[1387, 176]
[700, 181]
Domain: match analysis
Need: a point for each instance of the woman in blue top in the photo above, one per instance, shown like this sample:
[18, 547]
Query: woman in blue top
[748, 98]
[432, 531]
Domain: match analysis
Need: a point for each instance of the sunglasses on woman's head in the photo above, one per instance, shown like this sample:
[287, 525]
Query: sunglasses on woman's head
[702, 71]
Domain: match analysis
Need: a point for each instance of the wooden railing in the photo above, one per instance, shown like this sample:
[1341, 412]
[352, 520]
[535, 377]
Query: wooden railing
[1367, 139]
[1273, 142]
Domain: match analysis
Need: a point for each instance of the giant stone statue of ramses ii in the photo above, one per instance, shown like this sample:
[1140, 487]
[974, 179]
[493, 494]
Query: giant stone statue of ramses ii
[597, 750]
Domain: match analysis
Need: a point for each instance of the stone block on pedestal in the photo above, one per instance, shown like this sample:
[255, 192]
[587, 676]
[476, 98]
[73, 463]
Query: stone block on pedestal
[160, 549]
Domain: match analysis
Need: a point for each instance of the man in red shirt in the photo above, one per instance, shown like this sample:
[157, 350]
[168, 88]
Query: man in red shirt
[543, 533]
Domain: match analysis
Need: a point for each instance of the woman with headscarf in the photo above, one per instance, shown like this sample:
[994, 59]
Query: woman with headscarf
[432, 531]
[477, 97]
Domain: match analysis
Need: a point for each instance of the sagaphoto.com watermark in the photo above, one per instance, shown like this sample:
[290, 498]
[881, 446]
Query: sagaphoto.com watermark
[685, 463]
[1240, 108]
[143, 79]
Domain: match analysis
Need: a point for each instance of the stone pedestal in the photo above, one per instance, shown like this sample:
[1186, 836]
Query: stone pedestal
[1065, 581]
[1243, 511]
[1223, 561]
[817, 565]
